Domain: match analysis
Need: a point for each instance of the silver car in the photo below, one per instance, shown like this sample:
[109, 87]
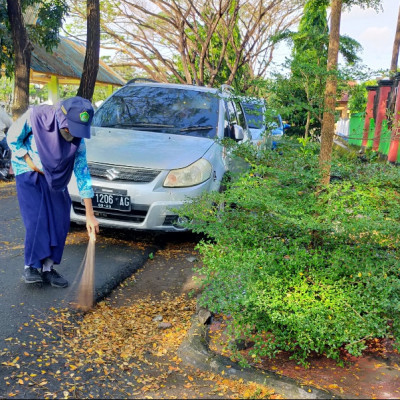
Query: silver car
[266, 127]
[255, 110]
[153, 148]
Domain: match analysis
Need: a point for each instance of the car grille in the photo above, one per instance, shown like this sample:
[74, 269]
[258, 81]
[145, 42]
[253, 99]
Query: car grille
[135, 215]
[119, 173]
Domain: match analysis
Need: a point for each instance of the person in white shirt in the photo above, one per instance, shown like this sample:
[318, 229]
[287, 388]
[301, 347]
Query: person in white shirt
[5, 123]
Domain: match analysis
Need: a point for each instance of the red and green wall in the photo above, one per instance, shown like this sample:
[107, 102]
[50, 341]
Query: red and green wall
[372, 129]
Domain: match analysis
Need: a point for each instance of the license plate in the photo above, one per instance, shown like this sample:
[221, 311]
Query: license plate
[111, 201]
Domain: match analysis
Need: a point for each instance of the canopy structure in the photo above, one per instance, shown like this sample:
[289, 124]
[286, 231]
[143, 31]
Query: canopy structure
[64, 66]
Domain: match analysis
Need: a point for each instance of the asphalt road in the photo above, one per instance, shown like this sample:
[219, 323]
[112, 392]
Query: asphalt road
[118, 254]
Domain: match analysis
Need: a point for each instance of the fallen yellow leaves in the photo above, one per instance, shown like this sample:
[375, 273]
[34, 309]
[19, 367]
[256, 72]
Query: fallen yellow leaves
[81, 237]
[244, 390]
[108, 333]
[333, 386]
[13, 363]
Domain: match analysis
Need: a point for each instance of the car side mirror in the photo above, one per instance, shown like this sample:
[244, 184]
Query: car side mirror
[238, 132]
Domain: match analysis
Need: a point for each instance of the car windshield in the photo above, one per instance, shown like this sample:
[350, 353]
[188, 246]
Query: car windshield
[161, 109]
[254, 115]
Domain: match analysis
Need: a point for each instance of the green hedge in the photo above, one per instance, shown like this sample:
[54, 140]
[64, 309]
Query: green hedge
[301, 268]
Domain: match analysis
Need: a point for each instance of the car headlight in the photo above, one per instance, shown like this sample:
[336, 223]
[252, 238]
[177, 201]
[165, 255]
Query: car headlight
[192, 175]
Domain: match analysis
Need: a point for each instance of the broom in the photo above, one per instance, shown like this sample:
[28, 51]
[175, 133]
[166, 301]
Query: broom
[85, 298]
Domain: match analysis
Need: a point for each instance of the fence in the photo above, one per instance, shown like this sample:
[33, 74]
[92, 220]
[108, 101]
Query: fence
[378, 128]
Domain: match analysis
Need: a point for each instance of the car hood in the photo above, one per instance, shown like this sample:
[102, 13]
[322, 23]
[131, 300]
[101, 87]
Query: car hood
[145, 149]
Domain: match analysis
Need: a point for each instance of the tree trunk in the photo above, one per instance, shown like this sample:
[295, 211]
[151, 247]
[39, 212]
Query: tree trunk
[22, 58]
[396, 45]
[328, 120]
[91, 63]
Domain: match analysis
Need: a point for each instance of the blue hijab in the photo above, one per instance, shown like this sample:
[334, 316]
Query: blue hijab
[56, 154]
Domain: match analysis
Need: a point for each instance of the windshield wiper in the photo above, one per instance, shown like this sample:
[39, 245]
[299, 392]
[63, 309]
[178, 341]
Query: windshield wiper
[153, 125]
[133, 125]
[196, 128]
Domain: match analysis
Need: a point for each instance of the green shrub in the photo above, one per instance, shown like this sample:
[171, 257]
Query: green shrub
[299, 268]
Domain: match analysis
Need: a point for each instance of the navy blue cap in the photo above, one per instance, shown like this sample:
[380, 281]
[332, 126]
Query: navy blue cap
[79, 114]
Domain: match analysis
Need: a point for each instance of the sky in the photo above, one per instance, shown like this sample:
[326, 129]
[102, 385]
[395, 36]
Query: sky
[373, 30]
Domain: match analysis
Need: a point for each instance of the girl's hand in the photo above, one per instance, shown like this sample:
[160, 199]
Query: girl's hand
[92, 225]
[30, 163]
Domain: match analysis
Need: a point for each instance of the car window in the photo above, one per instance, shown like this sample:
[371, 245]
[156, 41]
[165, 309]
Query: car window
[236, 114]
[232, 117]
[254, 115]
[161, 109]
[241, 115]
[274, 123]
[227, 125]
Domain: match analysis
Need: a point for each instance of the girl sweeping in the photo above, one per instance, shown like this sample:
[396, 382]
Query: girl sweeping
[48, 145]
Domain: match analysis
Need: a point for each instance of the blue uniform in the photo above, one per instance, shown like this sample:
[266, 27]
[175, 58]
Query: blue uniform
[21, 141]
[45, 212]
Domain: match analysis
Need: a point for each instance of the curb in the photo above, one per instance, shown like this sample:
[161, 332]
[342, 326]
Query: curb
[195, 351]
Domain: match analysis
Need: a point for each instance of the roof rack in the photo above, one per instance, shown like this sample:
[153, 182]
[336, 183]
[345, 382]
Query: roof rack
[134, 80]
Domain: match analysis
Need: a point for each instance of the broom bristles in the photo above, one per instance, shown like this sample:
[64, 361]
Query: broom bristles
[85, 298]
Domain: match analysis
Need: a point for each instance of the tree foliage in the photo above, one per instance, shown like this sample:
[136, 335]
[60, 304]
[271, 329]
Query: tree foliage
[202, 41]
[25, 23]
[307, 79]
[43, 19]
[358, 97]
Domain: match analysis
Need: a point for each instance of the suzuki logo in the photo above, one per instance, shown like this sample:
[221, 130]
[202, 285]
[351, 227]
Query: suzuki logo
[112, 174]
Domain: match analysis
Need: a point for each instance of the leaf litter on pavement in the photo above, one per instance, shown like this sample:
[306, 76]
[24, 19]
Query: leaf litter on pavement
[113, 352]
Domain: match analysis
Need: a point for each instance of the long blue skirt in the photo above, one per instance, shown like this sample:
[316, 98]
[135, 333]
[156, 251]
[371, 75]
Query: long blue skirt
[46, 216]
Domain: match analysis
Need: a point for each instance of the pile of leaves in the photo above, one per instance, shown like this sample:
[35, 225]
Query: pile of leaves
[299, 267]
